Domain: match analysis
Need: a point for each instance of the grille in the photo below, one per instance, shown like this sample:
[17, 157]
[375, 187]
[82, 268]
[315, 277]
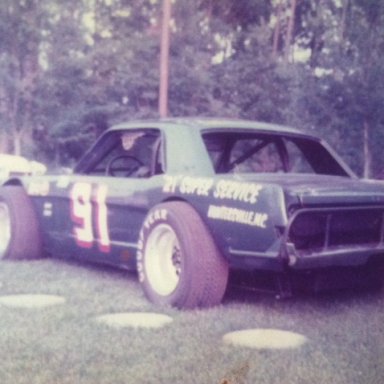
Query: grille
[323, 229]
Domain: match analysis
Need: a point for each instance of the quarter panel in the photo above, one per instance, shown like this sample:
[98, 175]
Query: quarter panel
[245, 218]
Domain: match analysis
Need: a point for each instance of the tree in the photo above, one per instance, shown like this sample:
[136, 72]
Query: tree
[351, 63]
[19, 56]
[70, 69]
[96, 75]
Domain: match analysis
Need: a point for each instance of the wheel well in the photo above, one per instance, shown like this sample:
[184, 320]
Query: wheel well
[13, 182]
[173, 198]
[219, 243]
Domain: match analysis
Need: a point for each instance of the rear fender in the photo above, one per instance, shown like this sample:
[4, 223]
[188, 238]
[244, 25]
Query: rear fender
[245, 218]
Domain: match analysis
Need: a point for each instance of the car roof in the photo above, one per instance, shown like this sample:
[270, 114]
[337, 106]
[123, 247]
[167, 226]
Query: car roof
[203, 124]
[187, 130]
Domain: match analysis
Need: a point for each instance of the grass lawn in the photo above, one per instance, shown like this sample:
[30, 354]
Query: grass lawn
[64, 344]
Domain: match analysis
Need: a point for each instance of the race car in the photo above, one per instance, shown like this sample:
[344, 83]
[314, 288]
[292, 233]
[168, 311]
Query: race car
[186, 202]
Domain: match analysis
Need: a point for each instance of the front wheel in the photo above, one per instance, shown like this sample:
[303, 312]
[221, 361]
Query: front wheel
[19, 228]
[178, 262]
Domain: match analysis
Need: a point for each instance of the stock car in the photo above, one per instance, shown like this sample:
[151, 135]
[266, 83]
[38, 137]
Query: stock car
[186, 202]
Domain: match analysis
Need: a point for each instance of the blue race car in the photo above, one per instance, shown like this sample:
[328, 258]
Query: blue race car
[187, 201]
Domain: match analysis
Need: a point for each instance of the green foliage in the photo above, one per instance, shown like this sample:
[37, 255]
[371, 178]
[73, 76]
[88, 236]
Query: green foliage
[252, 81]
[70, 69]
[240, 13]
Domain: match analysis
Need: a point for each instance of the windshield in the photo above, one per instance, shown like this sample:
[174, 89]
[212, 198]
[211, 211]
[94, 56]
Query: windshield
[240, 152]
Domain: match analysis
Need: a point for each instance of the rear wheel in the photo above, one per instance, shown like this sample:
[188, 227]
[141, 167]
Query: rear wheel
[20, 236]
[178, 262]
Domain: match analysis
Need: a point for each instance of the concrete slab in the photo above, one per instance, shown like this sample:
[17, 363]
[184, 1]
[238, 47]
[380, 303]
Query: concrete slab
[265, 339]
[30, 300]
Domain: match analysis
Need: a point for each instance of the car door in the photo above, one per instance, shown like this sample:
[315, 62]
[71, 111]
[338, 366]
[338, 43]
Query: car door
[103, 206]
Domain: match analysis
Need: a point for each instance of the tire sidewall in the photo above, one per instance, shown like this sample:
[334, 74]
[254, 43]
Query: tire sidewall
[25, 238]
[5, 200]
[158, 216]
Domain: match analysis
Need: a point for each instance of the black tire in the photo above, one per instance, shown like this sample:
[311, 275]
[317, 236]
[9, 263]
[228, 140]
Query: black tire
[178, 262]
[20, 236]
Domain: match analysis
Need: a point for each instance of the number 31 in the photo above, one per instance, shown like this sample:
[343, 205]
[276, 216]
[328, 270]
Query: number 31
[86, 206]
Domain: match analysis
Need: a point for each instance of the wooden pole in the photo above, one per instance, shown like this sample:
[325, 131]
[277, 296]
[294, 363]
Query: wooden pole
[164, 59]
[276, 32]
[289, 36]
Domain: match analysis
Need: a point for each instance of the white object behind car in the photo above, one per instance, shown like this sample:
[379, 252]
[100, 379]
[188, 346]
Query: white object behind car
[11, 165]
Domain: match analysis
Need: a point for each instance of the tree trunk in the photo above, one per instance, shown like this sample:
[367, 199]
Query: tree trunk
[367, 152]
[343, 19]
[17, 143]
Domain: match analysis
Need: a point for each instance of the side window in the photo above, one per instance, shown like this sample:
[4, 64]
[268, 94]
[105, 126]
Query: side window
[256, 156]
[297, 161]
[244, 152]
[216, 148]
[134, 154]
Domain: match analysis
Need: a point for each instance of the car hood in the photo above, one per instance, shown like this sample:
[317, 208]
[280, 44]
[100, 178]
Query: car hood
[309, 190]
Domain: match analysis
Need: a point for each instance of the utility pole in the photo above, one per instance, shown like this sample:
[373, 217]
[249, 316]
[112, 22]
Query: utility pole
[289, 35]
[164, 59]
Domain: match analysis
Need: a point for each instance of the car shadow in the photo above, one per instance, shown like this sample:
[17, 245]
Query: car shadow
[99, 268]
[338, 286]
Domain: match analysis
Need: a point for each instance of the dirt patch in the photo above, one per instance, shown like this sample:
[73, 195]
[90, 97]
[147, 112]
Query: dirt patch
[135, 320]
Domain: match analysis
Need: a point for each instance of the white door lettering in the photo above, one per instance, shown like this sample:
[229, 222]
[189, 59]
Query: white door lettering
[82, 212]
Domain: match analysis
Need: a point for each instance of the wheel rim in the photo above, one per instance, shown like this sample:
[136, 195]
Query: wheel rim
[5, 228]
[163, 260]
